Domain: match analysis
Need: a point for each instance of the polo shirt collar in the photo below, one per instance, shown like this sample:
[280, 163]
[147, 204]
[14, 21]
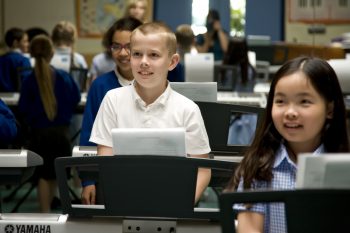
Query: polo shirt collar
[123, 81]
[282, 155]
[160, 101]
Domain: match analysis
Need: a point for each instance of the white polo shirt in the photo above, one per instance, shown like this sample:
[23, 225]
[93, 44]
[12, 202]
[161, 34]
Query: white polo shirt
[123, 108]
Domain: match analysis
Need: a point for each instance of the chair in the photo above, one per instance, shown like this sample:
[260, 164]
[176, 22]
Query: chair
[308, 210]
[219, 75]
[262, 71]
[80, 76]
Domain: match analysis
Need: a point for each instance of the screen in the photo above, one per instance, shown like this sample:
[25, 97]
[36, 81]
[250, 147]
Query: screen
[199, 67]
[149, 141]
[341, 68]
[323, 171]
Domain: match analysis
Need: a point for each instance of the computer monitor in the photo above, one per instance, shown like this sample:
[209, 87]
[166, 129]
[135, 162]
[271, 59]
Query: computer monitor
[149, 141]
[197, 91]
[230, 127]
[341, 68]
[323, 171]
[199, 67]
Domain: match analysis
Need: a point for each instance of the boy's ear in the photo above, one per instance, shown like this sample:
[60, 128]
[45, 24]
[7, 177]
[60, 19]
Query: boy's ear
[175, 58]
[330, 110]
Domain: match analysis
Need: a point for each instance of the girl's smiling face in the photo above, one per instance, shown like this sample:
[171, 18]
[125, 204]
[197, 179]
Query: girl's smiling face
[299, 112]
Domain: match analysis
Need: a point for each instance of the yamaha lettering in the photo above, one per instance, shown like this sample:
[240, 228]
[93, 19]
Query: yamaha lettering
[27, 229]
[89, 155]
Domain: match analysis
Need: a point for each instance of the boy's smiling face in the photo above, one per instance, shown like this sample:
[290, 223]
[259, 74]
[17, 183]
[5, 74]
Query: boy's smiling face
[150, 59]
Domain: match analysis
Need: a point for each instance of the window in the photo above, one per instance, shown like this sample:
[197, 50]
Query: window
[200, 10]
[237, 21]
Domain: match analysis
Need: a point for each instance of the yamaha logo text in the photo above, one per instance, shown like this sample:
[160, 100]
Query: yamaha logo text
[27, 228]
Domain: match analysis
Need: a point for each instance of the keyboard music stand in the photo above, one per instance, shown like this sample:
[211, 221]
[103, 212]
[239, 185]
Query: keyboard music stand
[307, 210]
[139, 186]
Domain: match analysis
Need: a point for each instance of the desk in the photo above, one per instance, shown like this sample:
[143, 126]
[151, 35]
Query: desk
[11, 100]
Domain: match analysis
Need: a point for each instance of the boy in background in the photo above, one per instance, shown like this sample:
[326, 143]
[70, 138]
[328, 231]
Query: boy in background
[11, 62]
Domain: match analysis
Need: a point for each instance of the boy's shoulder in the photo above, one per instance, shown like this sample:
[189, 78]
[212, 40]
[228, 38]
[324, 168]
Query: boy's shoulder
[120, 91]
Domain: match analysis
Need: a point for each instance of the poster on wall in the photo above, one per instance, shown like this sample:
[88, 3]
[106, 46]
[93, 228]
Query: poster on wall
[94, 17]
[319, 11]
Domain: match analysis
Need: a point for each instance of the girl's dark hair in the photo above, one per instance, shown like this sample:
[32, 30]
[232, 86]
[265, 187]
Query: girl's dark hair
[123, 24]
[237, 54]
[13, 34]
[213, 14]
[259, 158]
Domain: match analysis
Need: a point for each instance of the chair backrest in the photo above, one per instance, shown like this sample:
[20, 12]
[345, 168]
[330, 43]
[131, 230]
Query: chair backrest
[220, 71]
[318, 210]
[80, 76]
[217, 118]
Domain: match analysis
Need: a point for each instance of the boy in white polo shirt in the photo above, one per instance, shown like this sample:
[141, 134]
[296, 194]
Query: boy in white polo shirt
[150, 102]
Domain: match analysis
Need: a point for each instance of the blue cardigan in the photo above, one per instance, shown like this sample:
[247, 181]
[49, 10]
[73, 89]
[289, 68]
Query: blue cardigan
[30, 105]
[9, 64]
[8, 127]
[98, 89]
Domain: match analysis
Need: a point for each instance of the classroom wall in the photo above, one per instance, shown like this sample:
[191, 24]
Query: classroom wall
[265, 18]
[262, 18]
[43, 13]
[298, 32]
[270, 17]
[173, 12]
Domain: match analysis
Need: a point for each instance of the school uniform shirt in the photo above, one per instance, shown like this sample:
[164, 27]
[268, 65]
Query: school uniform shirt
[31, 107]
[101, 64]
[98, 89]
[9, 64]
[62, 59]
[284, 177]
[8, 127]
[124, 108]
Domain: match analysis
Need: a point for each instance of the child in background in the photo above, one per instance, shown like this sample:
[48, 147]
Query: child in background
[15, 59]
[137, 9]
[215, 40]
[185, 41]
[64, 35]
[305, 113]
[153, 54]
[48, 99]
[118, 41]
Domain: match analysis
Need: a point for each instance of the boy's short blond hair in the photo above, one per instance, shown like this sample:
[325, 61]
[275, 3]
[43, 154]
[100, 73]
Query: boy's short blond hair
[158, 28]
